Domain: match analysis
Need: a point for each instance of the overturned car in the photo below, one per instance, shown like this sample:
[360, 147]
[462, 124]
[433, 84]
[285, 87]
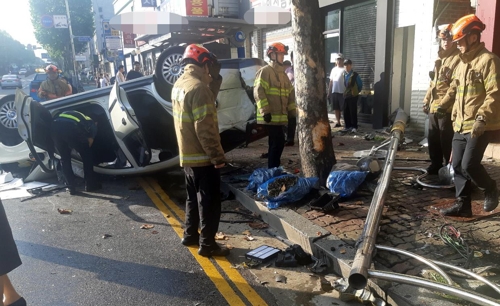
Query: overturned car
[136, 132]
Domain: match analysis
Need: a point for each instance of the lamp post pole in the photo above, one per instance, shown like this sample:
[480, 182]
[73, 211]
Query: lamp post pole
[74, 76]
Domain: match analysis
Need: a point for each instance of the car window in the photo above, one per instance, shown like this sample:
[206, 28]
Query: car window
[9, 76]
[40, 77]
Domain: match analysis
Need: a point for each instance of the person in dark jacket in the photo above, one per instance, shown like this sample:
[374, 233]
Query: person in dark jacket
[136, 73]
[353, 86]
[74, 130]
[9, 260]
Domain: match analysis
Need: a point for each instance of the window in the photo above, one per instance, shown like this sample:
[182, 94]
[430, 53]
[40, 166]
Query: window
[332, 37]
[332, 20]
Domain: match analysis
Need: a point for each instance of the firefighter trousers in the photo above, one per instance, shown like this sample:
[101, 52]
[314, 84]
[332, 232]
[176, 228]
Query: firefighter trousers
[203, 204]
[467, 155]
[276, 145]
[440, 139]
[67, 136]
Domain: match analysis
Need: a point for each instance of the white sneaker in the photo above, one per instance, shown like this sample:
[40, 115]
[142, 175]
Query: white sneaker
[354, 130]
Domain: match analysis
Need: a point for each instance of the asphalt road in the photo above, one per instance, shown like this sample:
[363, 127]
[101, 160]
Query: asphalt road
[67, 260]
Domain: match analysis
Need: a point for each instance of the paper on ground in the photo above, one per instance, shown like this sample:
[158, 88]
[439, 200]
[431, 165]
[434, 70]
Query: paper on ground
[15, 183]
[6, 177]
[22, 191]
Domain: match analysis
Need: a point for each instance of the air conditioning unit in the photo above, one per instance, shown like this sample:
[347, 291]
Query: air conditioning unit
[226, 8]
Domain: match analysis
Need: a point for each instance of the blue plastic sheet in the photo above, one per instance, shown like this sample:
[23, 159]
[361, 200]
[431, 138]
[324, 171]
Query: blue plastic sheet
[262, 175]
[293, 194]
[345, 182]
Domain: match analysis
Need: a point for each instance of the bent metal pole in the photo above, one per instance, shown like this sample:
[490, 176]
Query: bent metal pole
[358, 277]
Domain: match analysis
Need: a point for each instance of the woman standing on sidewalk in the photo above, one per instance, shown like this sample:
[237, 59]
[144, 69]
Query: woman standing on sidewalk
[9, 260]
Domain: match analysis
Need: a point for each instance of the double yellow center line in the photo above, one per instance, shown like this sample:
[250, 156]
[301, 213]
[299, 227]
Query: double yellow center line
[169, 208]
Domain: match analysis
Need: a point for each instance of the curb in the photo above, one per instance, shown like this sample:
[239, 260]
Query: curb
[325, 246]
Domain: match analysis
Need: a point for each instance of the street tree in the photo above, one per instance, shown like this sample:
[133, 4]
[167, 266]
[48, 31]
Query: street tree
[13, 52]
[314, 131]
[57, 41]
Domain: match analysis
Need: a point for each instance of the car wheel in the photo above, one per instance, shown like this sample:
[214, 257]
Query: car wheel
[8, 120]
[168, 70]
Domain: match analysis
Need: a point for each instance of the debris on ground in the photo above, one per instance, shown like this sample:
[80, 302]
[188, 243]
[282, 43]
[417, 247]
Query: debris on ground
[106, 236]
[258, 225]
[280, 185]
[247, 232]
[348, 294]
[147, 226]
[221, 236]
[249, 238]
[280, 278]
[64, 211]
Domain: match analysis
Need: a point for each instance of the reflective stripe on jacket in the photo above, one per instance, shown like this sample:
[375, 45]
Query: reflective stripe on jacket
[85, 123]
[274, 94]
[443, 72]
[475, 90]
[195, 118]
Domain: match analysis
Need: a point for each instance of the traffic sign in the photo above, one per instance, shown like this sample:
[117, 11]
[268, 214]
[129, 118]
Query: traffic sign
[83, 38]
[47, 21]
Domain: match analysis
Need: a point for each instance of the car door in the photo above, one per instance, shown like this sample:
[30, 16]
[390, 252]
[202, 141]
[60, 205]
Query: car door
[33, 125]
[127, 128]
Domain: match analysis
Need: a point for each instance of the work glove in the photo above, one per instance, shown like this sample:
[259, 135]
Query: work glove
[478, 129]
[267, 117]
[440, 113]
[214, 70]
[425, 108]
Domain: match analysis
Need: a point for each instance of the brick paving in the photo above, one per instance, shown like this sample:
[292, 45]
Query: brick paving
[405, 224]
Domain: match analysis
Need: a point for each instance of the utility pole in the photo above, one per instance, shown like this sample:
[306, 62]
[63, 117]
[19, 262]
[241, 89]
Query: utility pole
[74, 76]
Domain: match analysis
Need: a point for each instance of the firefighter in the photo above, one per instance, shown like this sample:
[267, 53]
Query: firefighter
[200, 149]
[74, 130]
[440, 126]
[53, 87]
[275, 97]
[475, 115]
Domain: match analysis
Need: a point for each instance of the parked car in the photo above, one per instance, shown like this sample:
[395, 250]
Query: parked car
[135, 125]
[35, 85]
[11, 80]
[23, 71]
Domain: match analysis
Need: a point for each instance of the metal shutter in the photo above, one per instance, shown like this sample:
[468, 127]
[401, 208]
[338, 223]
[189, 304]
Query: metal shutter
[359, 39]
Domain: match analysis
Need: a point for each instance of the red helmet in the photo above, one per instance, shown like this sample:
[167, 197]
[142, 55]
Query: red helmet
[445, 31]
[465, 25]
[51, 68]
[199, 54]
[278, 48]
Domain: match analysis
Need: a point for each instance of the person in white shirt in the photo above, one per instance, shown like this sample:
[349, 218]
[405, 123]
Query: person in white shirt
[336, 88]
[102, 81]
[120, 77]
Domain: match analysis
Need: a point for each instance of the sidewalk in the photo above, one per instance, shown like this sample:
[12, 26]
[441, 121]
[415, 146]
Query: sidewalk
[408, 222]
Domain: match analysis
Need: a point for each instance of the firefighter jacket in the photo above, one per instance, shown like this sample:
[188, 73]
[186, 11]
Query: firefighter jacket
[86, 126]
[274, 94]
[195, 118]
[54, 89]
[475, 90]
[443, 71]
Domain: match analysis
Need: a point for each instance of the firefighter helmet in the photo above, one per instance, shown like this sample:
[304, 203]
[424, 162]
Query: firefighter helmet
[465, 26]
[51, 68]
[278, 48]
[445, 31]
[199, 54]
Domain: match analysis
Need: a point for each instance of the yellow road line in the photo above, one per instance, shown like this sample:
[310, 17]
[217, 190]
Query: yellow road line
[233, 274]
[208, 267]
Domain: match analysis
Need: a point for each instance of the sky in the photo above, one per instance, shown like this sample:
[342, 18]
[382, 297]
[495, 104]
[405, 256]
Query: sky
[15, 19]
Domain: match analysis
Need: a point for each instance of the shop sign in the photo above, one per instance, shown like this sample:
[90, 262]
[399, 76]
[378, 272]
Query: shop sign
[197, 8]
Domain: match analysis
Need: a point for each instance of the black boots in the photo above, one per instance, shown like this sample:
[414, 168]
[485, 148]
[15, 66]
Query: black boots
[461, 208]
[491, 198]
[215, 250]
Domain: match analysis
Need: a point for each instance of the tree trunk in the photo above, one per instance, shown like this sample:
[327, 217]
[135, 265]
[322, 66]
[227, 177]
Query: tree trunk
[314, 132]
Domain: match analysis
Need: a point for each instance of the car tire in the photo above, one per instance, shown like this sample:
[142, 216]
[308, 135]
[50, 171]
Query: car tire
[168, 69]
[8, 121]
